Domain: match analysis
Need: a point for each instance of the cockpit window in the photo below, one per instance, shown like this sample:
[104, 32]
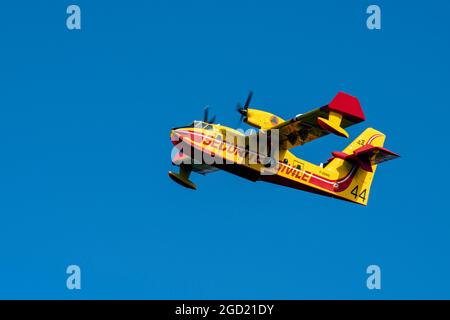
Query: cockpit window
[201, 125]
[197, 124]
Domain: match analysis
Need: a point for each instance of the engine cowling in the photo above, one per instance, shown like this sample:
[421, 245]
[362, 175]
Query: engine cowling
[262, 119]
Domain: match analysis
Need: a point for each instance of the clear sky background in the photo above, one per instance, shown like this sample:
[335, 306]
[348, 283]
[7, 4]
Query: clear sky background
[84, 131]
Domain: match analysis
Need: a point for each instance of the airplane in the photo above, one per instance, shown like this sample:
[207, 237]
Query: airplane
[347, 175]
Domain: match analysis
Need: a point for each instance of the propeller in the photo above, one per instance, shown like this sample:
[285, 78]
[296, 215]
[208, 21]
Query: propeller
[244, 109]
[205, 116]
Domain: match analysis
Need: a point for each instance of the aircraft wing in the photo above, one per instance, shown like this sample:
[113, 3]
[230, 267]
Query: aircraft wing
[343, 111]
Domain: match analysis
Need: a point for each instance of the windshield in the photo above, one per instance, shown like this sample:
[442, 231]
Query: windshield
[197, 124]
[201, 125]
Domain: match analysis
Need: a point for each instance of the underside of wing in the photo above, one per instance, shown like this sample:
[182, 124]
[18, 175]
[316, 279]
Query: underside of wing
[343, 111]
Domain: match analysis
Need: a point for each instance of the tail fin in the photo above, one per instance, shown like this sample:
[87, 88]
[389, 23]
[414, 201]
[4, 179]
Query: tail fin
[358, 163]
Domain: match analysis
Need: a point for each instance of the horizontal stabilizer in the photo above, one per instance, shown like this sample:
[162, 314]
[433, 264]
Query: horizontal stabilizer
[367, 155]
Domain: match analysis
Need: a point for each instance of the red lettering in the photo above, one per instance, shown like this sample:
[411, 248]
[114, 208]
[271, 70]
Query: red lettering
[207, 141]
[306, 175]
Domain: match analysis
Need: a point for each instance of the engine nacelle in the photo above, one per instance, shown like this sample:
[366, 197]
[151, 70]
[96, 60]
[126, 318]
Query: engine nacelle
[262, 119]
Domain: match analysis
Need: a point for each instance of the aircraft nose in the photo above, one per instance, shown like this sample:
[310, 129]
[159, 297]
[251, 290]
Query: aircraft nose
[175, 136]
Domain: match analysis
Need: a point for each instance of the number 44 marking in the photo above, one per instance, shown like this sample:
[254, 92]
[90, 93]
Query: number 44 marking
[361, 195]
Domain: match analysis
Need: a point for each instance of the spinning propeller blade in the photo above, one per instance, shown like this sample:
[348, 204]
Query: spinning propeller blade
[243, 109]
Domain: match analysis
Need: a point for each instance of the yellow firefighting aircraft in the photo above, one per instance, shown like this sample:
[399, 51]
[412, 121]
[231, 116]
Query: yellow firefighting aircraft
[347, 175]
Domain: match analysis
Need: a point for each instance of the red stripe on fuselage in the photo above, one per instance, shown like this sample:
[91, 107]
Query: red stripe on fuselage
[334, 185]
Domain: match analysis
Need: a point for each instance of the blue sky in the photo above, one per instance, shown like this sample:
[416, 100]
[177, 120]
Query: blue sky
[84, 125]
